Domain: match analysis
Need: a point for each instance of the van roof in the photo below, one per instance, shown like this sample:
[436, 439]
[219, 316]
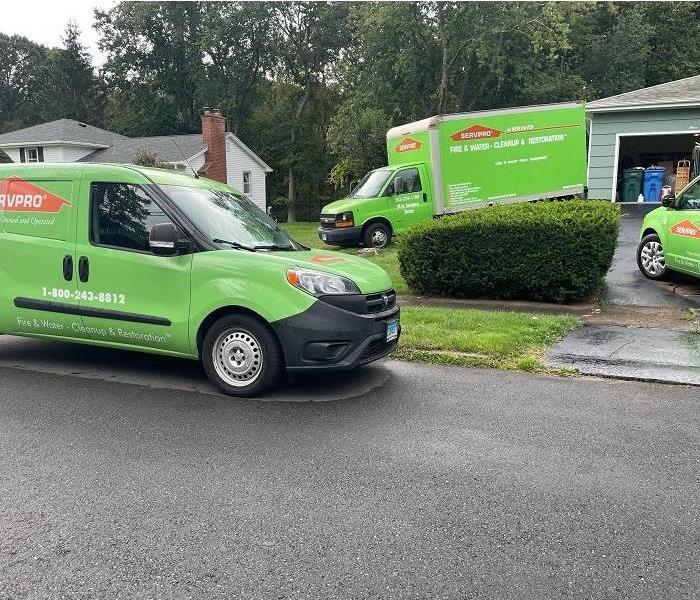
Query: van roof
[68, 170]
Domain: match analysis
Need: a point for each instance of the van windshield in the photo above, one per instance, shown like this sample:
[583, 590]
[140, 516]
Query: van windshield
[229, 218]
[371, 184]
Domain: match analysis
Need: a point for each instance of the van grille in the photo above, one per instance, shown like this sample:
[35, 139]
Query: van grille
[380, 302]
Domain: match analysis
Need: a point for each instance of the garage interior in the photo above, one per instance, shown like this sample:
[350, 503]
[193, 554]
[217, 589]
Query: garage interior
[668, 151]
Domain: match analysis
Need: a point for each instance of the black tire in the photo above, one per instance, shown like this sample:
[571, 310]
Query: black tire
[241, 340]
[376, 235]
[650, 258]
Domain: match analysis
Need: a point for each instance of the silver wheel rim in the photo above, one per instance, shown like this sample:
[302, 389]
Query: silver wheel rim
[238, 358]
[652, 258]
[378, 238]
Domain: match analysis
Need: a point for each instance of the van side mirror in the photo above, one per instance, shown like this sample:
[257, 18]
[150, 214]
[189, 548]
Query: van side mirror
[399, 186]
[164, 239]
[669, 201]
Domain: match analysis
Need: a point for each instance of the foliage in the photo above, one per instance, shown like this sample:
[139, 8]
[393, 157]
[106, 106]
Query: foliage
[550, 251]
[146, 158]
[312, 87]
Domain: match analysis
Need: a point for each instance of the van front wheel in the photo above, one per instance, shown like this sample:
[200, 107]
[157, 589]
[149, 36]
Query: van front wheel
[241, 356]
[376, 235]
[650, 257]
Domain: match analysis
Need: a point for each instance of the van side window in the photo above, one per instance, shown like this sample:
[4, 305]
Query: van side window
[121, 216]
[411, 179]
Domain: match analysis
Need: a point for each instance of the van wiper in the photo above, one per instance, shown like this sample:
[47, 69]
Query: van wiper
[234, 244]
[274, 247]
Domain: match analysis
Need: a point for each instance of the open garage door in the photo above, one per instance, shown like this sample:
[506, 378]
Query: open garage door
[654, 160]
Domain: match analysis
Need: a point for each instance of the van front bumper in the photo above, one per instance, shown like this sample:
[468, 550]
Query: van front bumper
[345, 236]
[325, 337]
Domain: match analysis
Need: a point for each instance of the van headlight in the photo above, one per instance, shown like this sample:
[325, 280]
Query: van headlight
[317, 283]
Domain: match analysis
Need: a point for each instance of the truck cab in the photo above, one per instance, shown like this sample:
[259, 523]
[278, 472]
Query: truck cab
[387, 201]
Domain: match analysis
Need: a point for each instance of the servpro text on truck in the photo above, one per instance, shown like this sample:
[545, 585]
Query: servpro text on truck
[452, 163]
[153, 260]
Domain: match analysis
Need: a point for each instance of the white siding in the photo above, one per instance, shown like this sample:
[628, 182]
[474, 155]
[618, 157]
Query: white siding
[54, 153]
[238, 161]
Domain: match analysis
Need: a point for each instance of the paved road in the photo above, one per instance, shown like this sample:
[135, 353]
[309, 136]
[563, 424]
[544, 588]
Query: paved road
[423, 482]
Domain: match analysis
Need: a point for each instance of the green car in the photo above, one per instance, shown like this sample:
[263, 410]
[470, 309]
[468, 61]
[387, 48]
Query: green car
[157, 261]
[670, 235]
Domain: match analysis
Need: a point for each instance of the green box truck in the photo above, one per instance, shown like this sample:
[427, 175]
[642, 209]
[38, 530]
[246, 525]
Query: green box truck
[451, 163]
[152, 260]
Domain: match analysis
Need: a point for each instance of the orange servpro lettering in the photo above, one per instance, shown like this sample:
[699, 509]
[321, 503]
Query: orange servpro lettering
[475, 132]
[408, 144]
[18, 195]
[324, 258]
[686, 228]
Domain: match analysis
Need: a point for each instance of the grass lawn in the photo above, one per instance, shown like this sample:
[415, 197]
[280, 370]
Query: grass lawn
[481, 338]
[387, 259]
[469, 337]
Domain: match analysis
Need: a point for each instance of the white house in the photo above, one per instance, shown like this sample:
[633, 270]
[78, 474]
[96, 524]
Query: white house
[66, 140]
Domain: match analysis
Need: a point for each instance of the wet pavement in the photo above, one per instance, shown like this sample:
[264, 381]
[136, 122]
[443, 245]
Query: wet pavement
[651, 350]
[625, 353]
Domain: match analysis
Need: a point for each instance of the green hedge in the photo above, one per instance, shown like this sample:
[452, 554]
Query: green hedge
[555, 251]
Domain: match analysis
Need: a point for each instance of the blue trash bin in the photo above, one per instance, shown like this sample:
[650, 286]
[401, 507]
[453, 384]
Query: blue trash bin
[653, 182]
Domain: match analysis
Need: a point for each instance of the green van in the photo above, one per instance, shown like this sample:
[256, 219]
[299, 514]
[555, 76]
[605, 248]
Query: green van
[670, 235]
[157, 261]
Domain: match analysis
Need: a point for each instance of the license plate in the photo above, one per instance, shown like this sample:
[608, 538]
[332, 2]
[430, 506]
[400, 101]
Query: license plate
[324, 237]
[392, 330]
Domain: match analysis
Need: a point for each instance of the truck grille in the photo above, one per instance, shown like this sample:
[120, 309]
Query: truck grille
[328, 221]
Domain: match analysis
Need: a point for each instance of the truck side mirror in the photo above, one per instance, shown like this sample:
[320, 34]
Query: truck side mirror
[669, 201]
[399, 186]
[163, 239]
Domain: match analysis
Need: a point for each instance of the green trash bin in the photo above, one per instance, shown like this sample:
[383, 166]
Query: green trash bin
[632, 184]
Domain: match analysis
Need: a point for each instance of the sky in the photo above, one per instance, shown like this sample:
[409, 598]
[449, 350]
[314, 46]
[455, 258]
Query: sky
[43, 21]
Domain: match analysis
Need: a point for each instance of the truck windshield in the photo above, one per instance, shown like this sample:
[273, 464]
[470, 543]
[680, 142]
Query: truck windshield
[371, 184]
[230, 219]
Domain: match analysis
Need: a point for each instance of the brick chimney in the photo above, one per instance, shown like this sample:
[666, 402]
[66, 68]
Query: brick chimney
[214, 138]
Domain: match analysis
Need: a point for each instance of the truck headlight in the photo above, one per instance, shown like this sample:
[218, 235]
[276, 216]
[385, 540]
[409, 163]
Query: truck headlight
[317, 283]
[345, 219]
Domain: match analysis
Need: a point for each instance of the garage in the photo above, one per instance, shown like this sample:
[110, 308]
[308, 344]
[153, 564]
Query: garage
[644, 144]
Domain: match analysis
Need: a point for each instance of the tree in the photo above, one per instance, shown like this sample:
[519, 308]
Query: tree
[21, 69]
[313, 35]
[72, 89]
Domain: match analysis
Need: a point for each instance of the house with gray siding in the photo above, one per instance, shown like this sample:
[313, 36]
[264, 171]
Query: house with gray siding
[657, 126]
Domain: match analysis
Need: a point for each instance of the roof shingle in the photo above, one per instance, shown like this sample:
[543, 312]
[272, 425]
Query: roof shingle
[679, 92]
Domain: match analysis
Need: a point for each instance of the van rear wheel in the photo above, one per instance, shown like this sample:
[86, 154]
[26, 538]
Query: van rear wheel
[241, 356]
[376, 235]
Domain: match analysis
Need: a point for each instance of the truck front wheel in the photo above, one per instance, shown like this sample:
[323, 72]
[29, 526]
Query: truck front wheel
[241, 356]
[376, 235]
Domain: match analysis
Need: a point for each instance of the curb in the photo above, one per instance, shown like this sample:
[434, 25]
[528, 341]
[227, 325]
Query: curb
[577, 309]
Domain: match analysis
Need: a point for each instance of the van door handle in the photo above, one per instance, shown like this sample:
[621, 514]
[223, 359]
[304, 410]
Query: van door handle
[84, 268]
[68, 267]
[425, 197]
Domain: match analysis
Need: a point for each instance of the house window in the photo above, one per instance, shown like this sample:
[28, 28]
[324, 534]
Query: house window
[31, 155]
[246, 182]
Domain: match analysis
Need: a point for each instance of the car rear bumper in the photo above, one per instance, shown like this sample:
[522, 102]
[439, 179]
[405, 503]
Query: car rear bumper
[325, 337]
[341, 237]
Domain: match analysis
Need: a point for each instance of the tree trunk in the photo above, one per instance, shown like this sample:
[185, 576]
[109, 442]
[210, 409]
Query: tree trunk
[291, 196]
[444, 76]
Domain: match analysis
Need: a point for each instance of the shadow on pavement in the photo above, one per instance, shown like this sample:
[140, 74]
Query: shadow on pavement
[155, 371]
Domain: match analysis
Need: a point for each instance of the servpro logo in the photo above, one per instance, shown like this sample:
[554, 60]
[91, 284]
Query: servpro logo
[18, 195]
[475, 132]
[686, 228]
[408, 144]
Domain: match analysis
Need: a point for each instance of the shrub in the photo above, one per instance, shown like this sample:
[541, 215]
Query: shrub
[552, 251]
